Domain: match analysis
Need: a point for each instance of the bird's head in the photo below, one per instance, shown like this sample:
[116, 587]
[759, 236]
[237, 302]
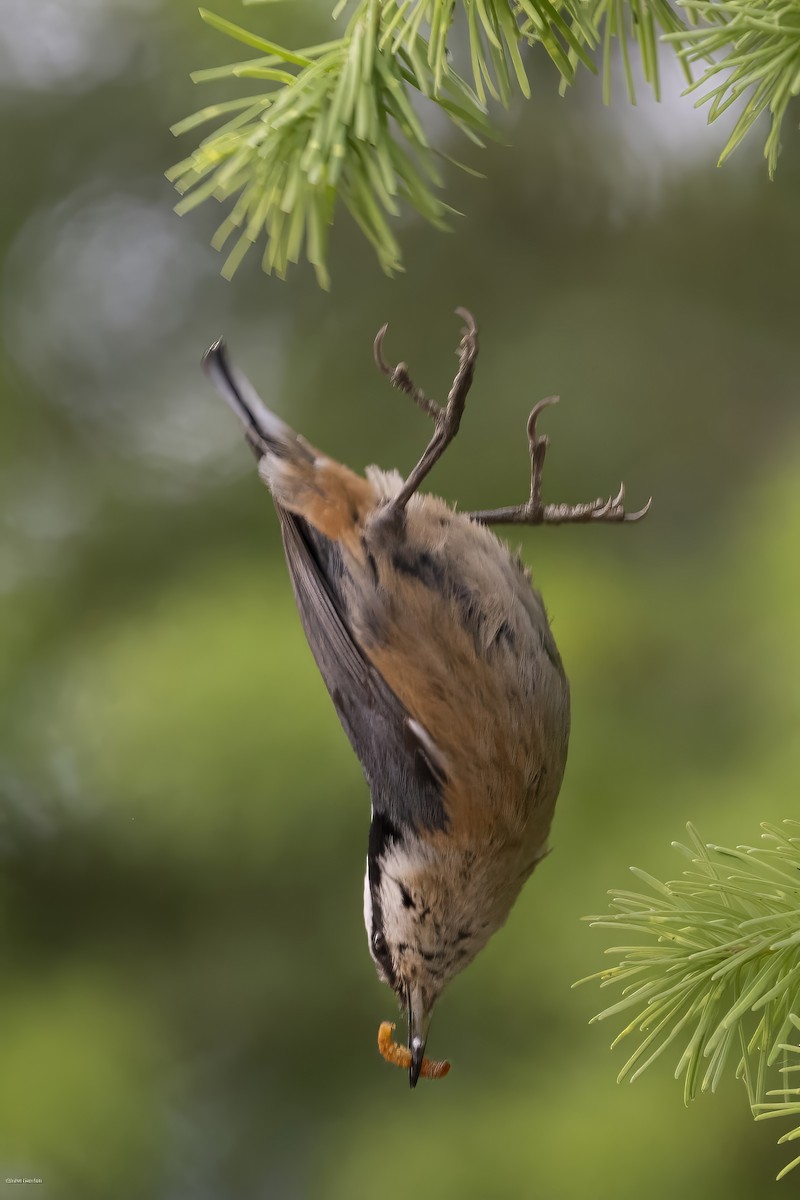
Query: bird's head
[421, 927]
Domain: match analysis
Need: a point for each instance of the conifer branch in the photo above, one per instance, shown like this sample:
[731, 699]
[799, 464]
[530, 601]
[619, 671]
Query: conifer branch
[340, 120]
[716, 969]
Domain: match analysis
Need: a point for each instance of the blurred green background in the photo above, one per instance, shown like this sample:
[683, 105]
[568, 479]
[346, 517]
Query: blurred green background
[187, 1005]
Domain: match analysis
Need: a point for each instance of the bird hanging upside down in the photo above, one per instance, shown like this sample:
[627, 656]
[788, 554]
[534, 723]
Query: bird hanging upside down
[439, 659]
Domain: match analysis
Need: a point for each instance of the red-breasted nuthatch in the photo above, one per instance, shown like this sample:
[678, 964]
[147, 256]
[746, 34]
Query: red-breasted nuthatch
[439, 658]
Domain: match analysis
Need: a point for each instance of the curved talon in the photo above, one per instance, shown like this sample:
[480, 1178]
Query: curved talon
[637, 516]
[466, 315]
[377, 351]
[537, 408]
[604, 510]
[620, 496]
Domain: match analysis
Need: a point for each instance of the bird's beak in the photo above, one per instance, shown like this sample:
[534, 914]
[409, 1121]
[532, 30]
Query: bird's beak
[419, 1021]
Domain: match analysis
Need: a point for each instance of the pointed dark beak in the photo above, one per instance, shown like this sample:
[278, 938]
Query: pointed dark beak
[417, 1049]
[418, 1024]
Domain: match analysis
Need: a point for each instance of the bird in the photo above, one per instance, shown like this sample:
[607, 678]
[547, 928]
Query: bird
[437, 652]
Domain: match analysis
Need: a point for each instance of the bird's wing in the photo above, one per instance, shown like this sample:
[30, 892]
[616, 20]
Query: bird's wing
[401, 761]
[398, 756]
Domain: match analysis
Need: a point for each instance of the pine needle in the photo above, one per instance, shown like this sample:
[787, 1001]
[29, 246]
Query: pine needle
[719, 962]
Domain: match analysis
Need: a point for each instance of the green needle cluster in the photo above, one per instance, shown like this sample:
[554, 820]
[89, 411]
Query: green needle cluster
[338, 122]
[751, 53]
[717, 970]
[341, 120]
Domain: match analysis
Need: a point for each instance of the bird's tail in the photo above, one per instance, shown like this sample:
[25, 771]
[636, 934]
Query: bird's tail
[265, 431]
[332, 498]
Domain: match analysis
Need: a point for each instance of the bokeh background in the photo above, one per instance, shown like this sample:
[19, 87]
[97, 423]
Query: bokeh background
[187, 1005]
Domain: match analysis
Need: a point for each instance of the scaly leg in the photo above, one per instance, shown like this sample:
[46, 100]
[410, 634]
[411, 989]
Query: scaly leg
[533, 512]
[446, 418]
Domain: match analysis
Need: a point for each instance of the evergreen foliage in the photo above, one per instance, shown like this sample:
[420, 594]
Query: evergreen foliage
[339, 119]
[718, 972]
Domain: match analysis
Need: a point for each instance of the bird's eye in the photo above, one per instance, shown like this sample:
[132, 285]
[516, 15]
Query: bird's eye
[383, 957]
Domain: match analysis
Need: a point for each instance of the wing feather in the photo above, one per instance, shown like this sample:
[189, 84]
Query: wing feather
[394, 751]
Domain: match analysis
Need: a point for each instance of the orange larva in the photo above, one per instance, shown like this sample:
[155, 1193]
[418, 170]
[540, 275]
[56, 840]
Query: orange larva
[400, 1056]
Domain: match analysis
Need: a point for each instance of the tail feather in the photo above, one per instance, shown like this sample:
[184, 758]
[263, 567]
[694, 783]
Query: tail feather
[328, 495]
[265, 430]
